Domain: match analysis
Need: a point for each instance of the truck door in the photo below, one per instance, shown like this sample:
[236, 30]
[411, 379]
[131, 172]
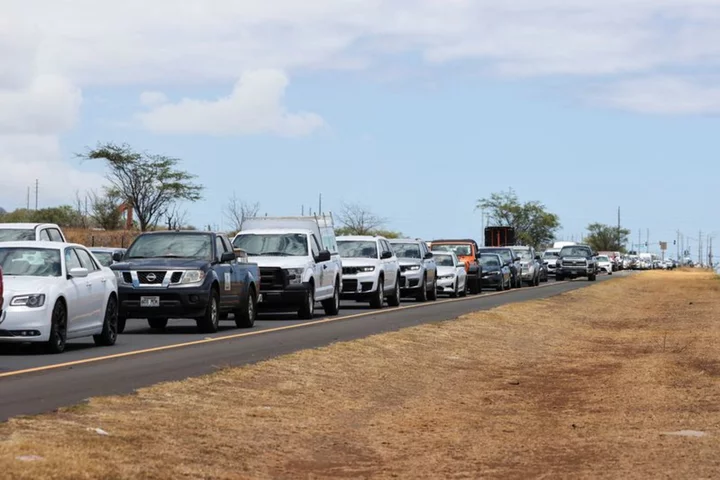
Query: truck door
[224, 272]
[323, 277]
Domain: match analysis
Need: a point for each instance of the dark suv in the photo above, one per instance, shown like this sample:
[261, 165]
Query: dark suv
[576, 261]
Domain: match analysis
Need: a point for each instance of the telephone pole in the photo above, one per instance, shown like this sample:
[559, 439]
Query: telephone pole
[677, 243]
[700, 255]
[618, 232]
[647, 243]
[37, 188]
[28, 199]
[320, 205]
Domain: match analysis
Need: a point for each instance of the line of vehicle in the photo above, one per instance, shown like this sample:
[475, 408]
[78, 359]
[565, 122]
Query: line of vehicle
[321, 321]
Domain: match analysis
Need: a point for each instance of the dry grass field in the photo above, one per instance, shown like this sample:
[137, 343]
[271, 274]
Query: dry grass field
[92, 238]
[588, 384]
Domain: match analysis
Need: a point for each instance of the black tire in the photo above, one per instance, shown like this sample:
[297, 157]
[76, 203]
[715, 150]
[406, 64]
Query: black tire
[474, 286]
[422, 295]
[108, 336]
[559, 278]
[463, 293]
[158, 323]
[378, 298]
[394, 299]
[592, 278]
[307, 309]
[245, 317]
[537, 280]
[501, 286]
[208, 323]
[508, 285]
[58, 329]
[454, 294]
[519, 282]
[332, 305]
[432, 294]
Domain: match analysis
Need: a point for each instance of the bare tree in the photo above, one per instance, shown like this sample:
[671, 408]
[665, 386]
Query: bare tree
[81, 205]
[237, 211]
[105, 210]
[176, 218]
[358, 220]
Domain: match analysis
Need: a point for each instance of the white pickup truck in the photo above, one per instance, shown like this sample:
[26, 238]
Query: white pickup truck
[299, 262]
[40, 232]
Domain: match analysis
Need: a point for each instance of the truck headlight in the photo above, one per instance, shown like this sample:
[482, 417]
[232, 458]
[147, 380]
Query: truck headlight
[192, 277]
[413, 268]
[365, 269]
[30, 301]
[294, 275]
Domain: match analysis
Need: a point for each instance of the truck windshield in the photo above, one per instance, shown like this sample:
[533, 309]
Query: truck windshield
[171, 245]
[444, 260]
[575, 252]
[16, 234]
[406, 250]
[30, 262]
[273, 244]
[357, 249]
[523, 254]
[459, 249]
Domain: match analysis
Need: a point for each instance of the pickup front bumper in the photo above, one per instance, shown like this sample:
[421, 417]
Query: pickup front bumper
[291, 297]
[173, 302]
[579, 271]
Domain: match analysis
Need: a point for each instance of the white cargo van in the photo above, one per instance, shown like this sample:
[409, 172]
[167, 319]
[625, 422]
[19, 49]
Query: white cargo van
[298, 259]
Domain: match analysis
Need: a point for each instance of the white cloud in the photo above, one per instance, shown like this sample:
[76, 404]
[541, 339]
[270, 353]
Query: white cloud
[663, 95]
[254, 106]
[150, 99]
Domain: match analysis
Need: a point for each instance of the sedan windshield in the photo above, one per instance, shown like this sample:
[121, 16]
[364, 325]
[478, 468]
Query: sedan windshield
[603, 258]
[459, 249]
[503, 252]
[523, 254]
[357, 249]
[273, 245]
[16, 234]
[30, 262]
[575, 252]
[443, 260]
[551, 254]
[406, 250]
[490, 263]
[171, 245]
[105, 258]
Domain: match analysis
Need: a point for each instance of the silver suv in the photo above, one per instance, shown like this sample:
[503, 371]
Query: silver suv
[529, 266]
[418, 271]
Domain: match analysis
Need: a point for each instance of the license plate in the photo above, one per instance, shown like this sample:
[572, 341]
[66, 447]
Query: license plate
[149, 301]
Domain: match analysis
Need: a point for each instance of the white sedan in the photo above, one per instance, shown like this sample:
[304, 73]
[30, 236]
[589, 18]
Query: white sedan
[604, 264]
[54, 292]
[451, 274]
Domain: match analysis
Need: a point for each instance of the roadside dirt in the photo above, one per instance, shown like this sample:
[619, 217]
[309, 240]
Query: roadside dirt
[582, 385]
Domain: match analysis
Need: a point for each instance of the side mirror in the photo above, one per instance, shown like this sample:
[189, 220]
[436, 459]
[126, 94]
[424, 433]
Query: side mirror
[323, 256]
[595, 254]
[517, 259]
[461, 264]
[428, 255]
[507, 264]
[117, 256]
[227, 257]
[538, 257]
[78, 272]
[386, 255]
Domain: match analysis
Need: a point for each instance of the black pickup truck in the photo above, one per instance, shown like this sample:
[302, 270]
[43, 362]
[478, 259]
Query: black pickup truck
[185, 274]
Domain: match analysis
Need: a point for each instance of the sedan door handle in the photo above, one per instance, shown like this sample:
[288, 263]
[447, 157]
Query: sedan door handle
[324, 267]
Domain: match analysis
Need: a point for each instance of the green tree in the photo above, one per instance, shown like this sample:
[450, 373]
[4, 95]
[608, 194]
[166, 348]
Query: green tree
[105, 209]
[607, 238]
[533, 224]
[150, 183]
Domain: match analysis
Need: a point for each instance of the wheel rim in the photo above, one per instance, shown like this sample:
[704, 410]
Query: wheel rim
[112, 320]
[251, 308]
[214, 312]
[59, 324]
[337, 297]
[311, 303]
[381, 291]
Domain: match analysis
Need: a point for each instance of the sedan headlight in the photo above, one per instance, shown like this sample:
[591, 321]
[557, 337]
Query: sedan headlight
[294, 275]
[413, 268]
[494, 272]
[192, 277]
[445, 277]
[31, 301]
[365, 269]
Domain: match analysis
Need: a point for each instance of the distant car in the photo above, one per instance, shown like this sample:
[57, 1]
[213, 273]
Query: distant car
[605, 264]
[549, 258]
[418, 271]
[452, 277]
[39, 232]
[496, 274]
[544, 271]
[104, 255]
[529, 265]
[54, 292]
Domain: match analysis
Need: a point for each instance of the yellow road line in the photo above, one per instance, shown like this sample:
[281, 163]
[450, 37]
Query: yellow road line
[256, 332]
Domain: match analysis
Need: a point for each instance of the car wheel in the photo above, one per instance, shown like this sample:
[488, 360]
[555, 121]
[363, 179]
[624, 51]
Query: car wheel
[422, 295]
[394, 299]
[245, 317]
[158, 323]
[379, 297]
[432, 294]
[462, 292]
[307, 310]
[592, 277]
[208, 323]
[537, 280]
[559, 278]
[108, 336]
[58, 329]
[332, 305]
[121, 321]
[454, 294]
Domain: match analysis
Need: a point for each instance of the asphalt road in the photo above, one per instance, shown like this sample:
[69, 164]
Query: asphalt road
[33, 383]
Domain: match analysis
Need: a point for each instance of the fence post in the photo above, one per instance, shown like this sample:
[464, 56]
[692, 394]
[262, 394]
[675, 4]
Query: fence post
[92, 240]
[122, 241]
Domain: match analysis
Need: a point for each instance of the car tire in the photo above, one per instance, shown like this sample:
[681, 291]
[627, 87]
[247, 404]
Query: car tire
[108, 336]
[332, 305]
[463, 293]
[592, 278]
[537, 280]
[422, 295]
[475, 287]
[158, 323]
[559, 278]
[508, 285]
[121, 321]
[378, 297]
[58, 329]
[208, 323]
[432, 294]
[394, 299]
[454, 294]
[307, 310]
[245, 317]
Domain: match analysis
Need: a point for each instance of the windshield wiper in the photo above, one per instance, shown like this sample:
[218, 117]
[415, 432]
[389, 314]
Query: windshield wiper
[275, 254]
[170, 255]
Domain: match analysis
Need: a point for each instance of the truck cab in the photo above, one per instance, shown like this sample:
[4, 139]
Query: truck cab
[40, 232]
[467, 251]
[299, 262]
[185, 274]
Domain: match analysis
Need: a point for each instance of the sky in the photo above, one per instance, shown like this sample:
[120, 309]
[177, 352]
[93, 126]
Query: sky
[412, 109]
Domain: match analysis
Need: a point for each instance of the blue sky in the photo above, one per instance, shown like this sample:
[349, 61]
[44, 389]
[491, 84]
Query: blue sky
[585, 109]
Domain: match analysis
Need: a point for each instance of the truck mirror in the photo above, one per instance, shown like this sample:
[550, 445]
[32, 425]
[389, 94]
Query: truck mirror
[227, 257]
[428, 255]
[117, 257]
[323, 256]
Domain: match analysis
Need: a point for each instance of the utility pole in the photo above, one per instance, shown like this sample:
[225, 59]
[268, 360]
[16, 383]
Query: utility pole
[28, 199]
[320, 205]
[700, 255]
[647, 243]
[677, 243]
[302, 210]
[710, 256]
[618, 232]
[482, 225]
[639, 240]
[37, 188]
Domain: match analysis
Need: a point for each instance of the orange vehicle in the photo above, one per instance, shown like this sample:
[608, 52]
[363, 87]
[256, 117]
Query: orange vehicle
[467, 251]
